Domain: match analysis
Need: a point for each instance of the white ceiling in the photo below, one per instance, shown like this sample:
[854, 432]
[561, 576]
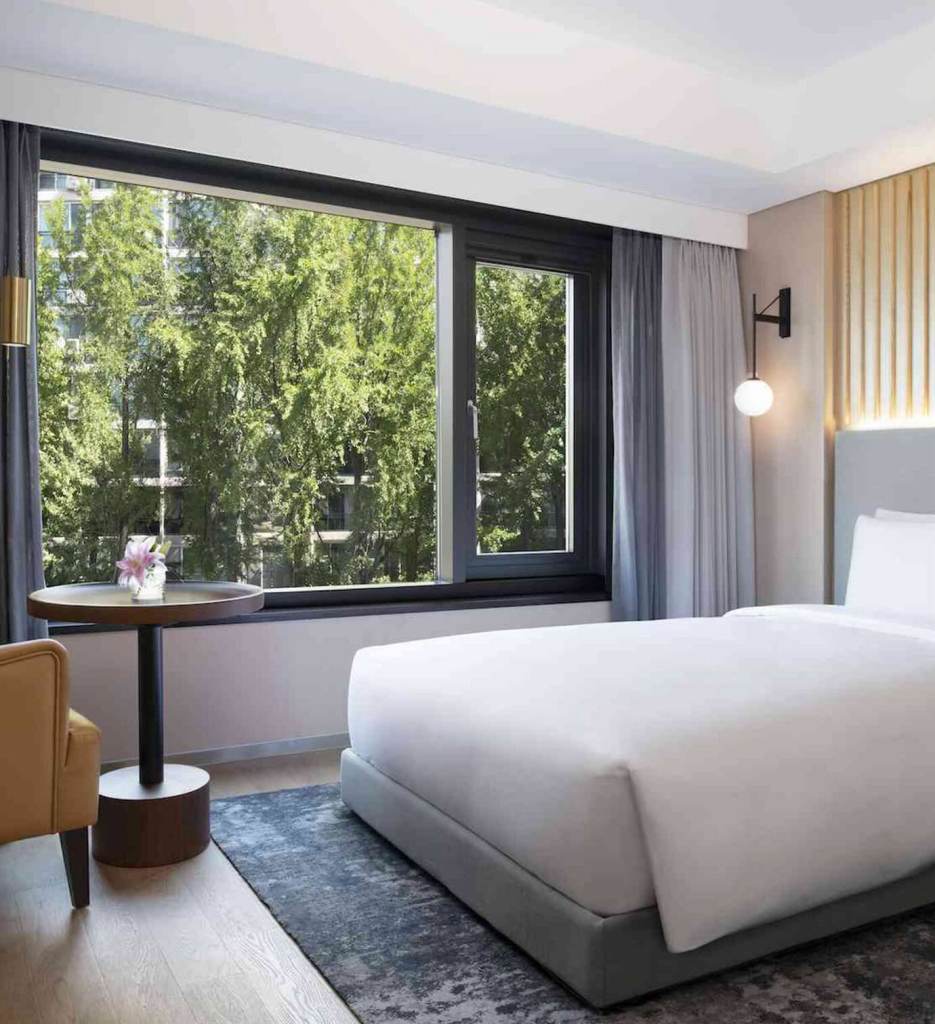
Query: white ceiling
[778, 40]
[722, 103]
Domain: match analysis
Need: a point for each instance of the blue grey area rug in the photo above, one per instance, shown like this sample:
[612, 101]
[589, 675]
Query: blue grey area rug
[398, 947]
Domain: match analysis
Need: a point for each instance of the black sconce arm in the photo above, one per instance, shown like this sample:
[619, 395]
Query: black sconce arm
[783, 320]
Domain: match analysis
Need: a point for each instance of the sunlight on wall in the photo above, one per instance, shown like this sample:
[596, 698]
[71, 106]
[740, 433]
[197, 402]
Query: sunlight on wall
[885, 297]
[909, 423]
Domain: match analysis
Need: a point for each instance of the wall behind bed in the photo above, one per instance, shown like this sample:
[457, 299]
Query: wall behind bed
[791, 245]
[861, 264]
[884, 377]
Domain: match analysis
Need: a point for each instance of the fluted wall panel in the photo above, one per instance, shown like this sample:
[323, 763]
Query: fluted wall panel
[885, 270]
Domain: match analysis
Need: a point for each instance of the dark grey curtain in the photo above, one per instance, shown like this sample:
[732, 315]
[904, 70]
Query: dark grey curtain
[20, 506]
[636, 363]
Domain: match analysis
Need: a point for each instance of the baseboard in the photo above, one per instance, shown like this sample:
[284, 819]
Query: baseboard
[249, 751]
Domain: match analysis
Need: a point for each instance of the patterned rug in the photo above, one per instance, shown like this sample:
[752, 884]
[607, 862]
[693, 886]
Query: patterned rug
[398, 947]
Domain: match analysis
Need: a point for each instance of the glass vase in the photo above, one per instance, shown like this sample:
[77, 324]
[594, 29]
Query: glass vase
[153, 586]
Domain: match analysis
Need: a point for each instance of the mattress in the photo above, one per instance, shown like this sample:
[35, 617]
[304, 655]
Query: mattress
[522, 755]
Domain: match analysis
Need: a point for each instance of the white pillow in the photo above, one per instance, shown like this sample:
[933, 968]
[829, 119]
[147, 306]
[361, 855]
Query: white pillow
[892, 567]
[905, 517]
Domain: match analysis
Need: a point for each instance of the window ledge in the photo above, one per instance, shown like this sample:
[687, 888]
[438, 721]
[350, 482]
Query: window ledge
[299, 605]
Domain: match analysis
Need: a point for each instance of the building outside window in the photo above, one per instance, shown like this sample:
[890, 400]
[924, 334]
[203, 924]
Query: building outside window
[54, 181]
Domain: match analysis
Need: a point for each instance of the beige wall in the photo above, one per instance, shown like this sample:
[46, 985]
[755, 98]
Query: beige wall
[792, 245]
[861, 265]
[227, 686]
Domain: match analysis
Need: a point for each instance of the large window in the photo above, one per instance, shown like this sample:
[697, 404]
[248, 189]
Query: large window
[303, 397]
[254, 382]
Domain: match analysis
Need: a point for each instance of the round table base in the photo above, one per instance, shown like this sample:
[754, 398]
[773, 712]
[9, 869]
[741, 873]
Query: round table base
[146, 826]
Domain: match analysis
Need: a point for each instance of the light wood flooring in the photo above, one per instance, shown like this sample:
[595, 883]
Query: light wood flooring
[185, 944]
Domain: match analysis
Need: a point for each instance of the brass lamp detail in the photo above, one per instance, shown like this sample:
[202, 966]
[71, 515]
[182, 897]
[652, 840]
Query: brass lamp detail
[15, 293]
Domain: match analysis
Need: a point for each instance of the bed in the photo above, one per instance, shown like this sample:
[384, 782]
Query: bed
[638, 804]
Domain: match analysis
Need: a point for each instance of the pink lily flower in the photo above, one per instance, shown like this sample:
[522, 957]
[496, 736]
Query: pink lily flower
[137, 558]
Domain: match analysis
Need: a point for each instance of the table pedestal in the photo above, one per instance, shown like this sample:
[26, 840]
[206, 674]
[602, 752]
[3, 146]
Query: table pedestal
[144, 826]
[149, 705]
[154, 814]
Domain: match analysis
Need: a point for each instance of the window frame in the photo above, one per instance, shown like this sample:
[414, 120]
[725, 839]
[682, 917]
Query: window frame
[466, 233]
[484, 249]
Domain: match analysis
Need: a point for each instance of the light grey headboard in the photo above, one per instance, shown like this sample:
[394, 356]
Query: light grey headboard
[878, 469]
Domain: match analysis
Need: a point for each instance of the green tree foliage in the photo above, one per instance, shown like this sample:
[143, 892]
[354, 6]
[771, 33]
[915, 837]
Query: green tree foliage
[521, 374]
[284, 351]
[307, 354]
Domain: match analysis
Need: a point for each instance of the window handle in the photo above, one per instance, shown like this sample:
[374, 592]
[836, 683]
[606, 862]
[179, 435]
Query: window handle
[472, 409]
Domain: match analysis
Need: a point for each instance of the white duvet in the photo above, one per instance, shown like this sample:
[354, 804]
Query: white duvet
[733, 771]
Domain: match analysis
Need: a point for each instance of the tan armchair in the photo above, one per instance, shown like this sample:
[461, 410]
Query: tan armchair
[49, 757]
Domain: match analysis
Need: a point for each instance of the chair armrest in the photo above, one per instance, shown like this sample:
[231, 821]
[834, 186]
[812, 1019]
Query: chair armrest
[78, 782]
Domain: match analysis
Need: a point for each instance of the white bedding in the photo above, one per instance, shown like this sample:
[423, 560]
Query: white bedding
[733, 771]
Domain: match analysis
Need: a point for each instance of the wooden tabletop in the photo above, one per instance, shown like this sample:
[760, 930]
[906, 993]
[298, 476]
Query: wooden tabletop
[111, 604]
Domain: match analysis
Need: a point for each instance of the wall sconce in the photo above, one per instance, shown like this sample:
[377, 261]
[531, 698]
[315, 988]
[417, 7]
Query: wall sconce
[754, 396]
[15, 295]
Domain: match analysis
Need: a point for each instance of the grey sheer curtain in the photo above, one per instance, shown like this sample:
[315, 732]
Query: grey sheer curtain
[708, 460]
[20, 506]
[636, 366]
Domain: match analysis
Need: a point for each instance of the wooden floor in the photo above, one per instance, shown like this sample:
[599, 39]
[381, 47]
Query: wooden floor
[186, 944]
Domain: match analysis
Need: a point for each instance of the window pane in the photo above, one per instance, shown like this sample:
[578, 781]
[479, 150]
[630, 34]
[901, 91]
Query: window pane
[523, 351]
[253, 382]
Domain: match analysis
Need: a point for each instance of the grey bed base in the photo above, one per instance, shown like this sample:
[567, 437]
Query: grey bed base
[606, 960]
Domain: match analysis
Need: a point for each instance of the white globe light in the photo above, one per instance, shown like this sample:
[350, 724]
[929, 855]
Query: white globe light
[753, 397]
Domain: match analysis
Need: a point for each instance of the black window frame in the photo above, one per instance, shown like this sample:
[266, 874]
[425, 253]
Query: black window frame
[466, 233]
[483, 248]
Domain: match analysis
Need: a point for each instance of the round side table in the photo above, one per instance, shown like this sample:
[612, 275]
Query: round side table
[156, 813]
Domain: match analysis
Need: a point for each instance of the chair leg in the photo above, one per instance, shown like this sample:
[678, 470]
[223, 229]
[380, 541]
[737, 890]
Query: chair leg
[75, 855]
